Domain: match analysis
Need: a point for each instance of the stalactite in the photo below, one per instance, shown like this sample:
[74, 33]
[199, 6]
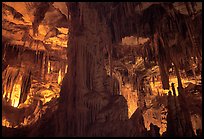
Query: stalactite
[189, 32]
[178, 76]
[43, 66]
[46, 65]
[11, 85]
[161, 58]
[111, 67]
[188, 8]
[193, 38]
[5, 51]
[176, 19]
[25, 88]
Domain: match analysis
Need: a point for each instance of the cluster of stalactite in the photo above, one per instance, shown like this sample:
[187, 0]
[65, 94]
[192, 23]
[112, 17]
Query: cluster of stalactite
[16, 83]
[39, 59]
[171, 45]
[174, 43]
[166, 30]
[141, 83]
[27, 90]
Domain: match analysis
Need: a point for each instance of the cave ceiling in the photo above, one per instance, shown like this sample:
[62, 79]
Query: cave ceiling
[19, 21]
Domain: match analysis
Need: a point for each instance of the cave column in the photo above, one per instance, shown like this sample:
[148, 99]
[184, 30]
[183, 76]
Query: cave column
[88, 36]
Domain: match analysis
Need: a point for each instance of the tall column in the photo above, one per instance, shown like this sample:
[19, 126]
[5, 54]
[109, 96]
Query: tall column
[88, 36]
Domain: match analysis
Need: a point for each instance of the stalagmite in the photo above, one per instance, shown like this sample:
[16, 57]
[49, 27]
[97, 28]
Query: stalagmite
[66, 68]
[162, 63]
[188, 8]
[43, 63]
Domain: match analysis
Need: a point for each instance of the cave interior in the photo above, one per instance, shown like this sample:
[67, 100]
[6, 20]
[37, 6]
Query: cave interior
[104, 69]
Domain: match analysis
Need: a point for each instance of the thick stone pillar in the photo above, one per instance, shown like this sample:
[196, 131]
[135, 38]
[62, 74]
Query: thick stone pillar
[86, 72]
